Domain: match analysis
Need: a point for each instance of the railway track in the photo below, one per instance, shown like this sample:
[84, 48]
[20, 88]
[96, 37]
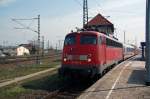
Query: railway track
[53, 87]
[72, 90]
[69, 90]
[57, 89]
[7, 60]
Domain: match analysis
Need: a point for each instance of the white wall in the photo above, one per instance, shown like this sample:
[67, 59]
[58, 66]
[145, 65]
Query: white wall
[22, 50]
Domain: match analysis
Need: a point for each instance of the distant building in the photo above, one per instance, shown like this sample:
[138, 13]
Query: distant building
[9, 51]
[24, 49]
[21, 50]
[101, 24]
[1, 54]
[32, 49]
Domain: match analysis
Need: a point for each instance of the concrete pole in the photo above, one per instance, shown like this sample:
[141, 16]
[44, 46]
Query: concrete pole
[48, 45]
[148, 42]
[124, 37]
[42, 45]
[38, 52]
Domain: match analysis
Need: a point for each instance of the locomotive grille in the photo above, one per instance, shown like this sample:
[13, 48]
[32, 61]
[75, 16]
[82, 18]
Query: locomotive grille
[77, 57]
[83, 57]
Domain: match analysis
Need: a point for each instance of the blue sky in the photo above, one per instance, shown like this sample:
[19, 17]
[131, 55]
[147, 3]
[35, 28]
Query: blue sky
[58, 17]
[29, 8]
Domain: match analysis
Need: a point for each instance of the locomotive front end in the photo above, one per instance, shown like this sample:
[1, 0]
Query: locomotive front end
[79, 55]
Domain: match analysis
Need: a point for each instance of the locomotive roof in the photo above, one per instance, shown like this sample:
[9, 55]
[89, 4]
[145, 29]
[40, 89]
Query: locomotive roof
[94, 33]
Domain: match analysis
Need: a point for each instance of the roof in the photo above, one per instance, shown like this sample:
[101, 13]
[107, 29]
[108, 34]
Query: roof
[99, 20]
[28, 46]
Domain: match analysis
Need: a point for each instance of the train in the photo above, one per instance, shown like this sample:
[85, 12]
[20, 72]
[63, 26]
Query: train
[89, 53]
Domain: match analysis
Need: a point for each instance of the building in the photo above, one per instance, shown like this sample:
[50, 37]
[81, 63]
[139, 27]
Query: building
[9, 51]
[31, 47]
[1, 54]
[21, 50]
[101, 24]
[24, 49]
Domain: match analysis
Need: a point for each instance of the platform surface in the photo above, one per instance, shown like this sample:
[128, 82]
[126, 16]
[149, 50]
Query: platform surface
[125, 81]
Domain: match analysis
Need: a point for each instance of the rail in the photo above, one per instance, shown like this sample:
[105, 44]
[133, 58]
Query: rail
[7, 60]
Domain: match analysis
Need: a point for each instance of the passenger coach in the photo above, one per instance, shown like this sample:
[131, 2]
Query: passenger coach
[89, 53]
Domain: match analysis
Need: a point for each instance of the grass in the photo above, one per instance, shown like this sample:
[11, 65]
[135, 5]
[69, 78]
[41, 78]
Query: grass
[43, 84]
[36, 85]
[48, 83]
[12, 92]
[10, 72]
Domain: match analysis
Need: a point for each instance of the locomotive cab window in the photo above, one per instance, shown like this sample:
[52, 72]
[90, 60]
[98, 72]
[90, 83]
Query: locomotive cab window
[88, 39]
[70, 40]
[112, 43]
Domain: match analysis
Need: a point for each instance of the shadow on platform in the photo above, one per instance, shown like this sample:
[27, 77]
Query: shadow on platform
[137, 77]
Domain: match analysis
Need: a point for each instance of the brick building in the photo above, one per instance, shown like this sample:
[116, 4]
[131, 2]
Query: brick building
[101, 24]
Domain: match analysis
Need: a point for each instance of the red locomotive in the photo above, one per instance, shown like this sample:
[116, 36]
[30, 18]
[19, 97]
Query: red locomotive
[89, 53]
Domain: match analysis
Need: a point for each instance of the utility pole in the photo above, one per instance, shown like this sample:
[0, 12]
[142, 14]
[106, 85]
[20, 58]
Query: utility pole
[56, 47]
[148, 42]
[124, 37]
[136, 42]
[38, 52]
[48, 45]
[42, 45]
[59, 44]
[85, 13]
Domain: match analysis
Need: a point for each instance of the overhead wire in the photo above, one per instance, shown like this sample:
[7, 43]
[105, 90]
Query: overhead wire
[32, 22]
[24, 26]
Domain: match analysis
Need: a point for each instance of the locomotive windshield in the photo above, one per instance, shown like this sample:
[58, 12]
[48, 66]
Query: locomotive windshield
[70, 40]
[88, 39]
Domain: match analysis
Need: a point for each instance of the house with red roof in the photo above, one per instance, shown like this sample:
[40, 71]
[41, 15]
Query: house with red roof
[101, 24]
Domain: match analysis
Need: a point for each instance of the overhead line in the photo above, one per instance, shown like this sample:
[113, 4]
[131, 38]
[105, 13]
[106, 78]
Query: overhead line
[24, 26]
[25, 19]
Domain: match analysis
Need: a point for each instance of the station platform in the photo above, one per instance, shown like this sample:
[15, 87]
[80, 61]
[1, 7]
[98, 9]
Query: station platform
[125, 81]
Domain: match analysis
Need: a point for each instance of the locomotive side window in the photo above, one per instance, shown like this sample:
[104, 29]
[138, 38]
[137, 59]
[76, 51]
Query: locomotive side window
[70, 40]
[88, 39]
[112, 43]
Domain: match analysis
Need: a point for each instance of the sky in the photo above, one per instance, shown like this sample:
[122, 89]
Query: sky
[59, 17]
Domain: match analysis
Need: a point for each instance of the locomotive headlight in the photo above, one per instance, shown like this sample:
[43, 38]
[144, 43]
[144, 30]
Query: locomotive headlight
[65, 59]
[89, 59]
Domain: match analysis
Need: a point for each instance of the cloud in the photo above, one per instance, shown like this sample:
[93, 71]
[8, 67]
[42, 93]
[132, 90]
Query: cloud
[6, 2]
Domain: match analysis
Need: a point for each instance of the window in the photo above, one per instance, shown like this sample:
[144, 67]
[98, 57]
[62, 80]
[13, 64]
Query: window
[112, 43]
[70, 40]
[88, 39]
